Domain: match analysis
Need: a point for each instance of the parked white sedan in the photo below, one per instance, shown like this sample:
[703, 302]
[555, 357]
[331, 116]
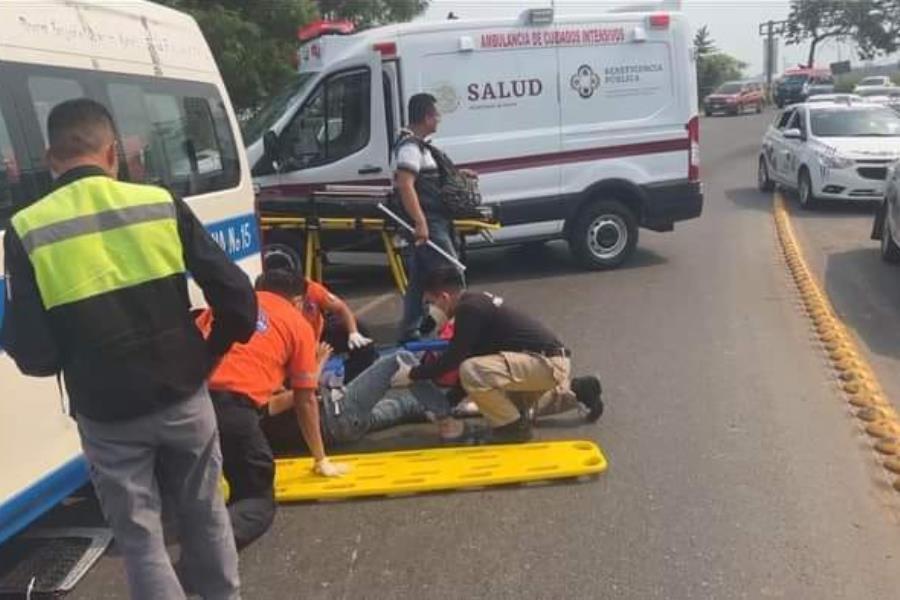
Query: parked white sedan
[838, 151]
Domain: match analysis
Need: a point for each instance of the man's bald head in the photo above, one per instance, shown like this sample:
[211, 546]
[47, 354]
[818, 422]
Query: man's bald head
[81, 131]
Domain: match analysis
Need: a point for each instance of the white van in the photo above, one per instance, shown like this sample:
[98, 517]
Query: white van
[580, 127]
[151, 66]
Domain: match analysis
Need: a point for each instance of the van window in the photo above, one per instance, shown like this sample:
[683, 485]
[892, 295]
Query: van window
[47, 92]
[333, 123]
[178, 139]
[11, 185]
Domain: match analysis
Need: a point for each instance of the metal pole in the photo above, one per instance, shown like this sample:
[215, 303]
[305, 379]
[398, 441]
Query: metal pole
[397, 219]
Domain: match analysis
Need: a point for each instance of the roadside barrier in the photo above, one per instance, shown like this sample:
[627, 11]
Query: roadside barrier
[856, 376]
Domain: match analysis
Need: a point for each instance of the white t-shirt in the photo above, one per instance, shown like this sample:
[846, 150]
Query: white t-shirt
[411, 157]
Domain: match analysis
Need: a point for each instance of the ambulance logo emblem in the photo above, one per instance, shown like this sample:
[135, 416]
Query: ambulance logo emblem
[447, 100]
[585, 81]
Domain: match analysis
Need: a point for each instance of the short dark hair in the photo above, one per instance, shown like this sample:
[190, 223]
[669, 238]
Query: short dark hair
[444, 279]
[79, 127]
[420, 106]
[283, 282]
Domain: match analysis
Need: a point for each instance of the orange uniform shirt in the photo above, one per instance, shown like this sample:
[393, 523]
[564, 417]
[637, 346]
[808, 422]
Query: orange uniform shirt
[316, 298]
[282, 347]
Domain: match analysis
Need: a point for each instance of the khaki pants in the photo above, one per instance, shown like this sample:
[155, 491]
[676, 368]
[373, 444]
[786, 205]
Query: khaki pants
[498, 382]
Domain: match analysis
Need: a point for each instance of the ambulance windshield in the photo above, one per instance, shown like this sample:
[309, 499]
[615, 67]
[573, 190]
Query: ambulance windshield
[274, 108]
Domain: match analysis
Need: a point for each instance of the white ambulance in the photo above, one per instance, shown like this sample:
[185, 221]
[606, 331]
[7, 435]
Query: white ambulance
[151, 66]
[583, 128]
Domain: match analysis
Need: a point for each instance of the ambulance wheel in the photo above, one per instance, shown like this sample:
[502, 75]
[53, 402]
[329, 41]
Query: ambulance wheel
[603, 234]
[282, 256]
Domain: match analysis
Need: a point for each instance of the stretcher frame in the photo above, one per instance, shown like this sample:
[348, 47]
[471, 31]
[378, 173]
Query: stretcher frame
[312, 226]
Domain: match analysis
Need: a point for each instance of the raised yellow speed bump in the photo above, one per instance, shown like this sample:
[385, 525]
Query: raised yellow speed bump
[438, 469]
[857, 378]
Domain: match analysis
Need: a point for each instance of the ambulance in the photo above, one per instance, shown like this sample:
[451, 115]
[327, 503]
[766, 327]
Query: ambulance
[152, 68]
[583, 128]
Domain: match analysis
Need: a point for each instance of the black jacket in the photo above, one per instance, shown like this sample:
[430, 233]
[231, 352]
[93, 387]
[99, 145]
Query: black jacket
[132, 351]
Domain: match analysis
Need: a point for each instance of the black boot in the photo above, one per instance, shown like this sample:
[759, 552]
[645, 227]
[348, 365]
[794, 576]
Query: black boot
[513, 433]
[588, 391]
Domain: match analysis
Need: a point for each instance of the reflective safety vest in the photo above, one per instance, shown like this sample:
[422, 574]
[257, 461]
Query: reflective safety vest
[98, 235]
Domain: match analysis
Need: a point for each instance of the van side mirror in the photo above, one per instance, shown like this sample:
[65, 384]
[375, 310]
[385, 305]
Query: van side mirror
[272, 148]
[793, 134]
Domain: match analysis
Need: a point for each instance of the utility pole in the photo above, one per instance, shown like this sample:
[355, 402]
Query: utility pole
[770, 29]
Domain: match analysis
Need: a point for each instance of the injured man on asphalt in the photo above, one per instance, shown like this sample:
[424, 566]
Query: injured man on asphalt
[369, 403]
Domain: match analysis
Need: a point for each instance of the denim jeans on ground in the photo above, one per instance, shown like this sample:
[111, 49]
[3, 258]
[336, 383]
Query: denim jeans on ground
[349, 417]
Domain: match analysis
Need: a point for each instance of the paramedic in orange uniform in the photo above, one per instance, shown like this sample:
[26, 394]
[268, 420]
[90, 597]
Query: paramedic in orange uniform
[283, 347]
[335, 324]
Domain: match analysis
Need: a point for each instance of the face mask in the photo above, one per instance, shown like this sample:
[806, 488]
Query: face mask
[438, 315]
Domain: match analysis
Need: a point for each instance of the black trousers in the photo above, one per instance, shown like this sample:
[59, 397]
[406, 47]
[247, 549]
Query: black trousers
[248, 465]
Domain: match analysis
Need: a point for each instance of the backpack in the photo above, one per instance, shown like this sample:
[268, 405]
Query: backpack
[459, 195]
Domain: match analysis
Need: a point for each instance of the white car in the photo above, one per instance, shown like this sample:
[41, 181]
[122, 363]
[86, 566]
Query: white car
[876, 81]
[835, 98]
[830, 151]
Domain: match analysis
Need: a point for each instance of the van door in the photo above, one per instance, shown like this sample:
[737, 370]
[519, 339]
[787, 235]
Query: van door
[393, 108]
[338, 135]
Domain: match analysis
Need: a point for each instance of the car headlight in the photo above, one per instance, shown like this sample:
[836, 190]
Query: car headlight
[834, 161]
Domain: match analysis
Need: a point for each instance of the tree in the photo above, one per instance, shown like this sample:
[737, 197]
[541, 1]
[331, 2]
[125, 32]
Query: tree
[255, 43]
[872, 24]
[713, 67]
[703, 42]
[371, 12]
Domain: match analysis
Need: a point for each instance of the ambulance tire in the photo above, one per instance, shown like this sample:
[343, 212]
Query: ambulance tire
[282, 256]
[603, 234]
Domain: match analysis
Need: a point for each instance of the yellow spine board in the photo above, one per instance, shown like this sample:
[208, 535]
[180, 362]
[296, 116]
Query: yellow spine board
[429, 470]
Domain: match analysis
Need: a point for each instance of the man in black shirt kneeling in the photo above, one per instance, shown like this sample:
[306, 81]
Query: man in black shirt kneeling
[508, 362]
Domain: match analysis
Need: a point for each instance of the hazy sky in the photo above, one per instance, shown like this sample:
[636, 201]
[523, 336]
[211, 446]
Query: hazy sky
[734, 24]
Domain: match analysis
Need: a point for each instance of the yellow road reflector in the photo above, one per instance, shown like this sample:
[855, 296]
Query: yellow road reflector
[437, 469]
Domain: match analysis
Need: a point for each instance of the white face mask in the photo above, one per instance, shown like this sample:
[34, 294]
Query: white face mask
[438, 315]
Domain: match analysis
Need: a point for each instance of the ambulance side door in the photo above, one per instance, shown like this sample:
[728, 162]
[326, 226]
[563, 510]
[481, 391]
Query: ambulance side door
[338, 134]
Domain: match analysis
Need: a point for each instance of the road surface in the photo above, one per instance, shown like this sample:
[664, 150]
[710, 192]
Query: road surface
[736, 467]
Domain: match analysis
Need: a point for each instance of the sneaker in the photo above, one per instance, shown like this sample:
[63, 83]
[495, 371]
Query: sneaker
[588, 390]
[514, 433]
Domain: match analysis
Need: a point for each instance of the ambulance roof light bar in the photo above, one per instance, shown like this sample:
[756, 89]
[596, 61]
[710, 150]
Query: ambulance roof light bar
[660, 21]
[538, 16]
[322, 27]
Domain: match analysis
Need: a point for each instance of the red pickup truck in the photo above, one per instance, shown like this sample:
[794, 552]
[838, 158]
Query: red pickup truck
[735, 97]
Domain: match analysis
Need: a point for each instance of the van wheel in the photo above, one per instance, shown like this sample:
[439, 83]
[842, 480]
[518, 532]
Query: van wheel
[603, 234]
[282, 256]
[758, 107]
[763, 181]
[805, 190]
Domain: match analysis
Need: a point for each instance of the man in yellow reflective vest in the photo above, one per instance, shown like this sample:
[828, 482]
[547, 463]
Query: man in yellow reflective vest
[97, 290]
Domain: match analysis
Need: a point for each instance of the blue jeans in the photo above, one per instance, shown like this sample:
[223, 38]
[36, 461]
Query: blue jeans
[368, 403]
[420, 261]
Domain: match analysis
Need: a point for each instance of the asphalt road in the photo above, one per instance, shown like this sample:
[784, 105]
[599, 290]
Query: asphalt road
[736, 469]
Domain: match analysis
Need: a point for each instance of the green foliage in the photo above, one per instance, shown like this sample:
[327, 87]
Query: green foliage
[371, 12]
[703, 42]
[871, 24]
[255, 42]
[713, 67]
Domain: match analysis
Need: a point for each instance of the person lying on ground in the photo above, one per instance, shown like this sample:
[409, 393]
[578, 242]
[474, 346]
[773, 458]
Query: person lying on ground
[506, 360]
[241, 385]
